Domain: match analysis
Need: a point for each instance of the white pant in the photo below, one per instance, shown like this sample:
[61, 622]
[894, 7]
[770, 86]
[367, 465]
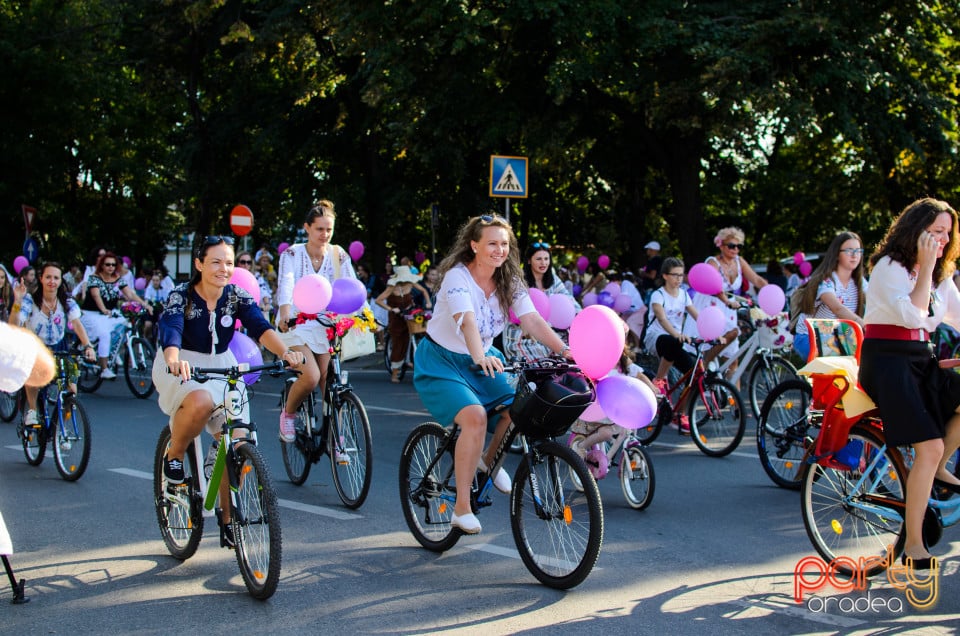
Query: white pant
[100, 327]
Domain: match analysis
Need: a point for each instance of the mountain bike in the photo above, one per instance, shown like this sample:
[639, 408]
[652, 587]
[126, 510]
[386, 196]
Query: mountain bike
[714, 408]
[557, 528]
[625, 452]
[62, 420]
[339, 428]
[132, 353]
[254, 510]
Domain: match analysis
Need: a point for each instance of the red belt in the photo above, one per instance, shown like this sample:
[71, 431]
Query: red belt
[895, 332]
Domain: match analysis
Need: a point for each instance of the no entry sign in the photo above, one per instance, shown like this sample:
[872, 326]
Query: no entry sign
[241, 220]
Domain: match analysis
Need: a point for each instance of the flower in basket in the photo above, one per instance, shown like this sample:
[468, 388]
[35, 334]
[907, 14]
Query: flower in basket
[365, 320]
[131, 309]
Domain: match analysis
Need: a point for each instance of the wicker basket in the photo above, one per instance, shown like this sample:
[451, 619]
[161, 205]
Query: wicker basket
[416, 327]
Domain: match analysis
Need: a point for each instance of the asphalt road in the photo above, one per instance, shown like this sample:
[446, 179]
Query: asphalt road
[715, 552]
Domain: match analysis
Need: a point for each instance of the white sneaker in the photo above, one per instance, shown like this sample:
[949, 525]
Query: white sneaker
[108, 374]
[30, 418]
[467, 524]
[501, 481]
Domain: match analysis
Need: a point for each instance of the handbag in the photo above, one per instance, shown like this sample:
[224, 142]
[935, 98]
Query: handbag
[357, 343]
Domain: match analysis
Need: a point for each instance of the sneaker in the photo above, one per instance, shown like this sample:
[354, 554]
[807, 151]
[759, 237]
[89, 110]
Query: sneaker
[210, 459]
[501, 480]
[342, 457]
[30, 418]
[108, 374]
[467, 524]
[173, 470]
[227, 540]
[288, 427]
[662, 385]
[684, 424]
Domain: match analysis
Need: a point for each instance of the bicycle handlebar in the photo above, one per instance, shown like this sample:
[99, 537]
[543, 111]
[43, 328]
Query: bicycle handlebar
[200, 374]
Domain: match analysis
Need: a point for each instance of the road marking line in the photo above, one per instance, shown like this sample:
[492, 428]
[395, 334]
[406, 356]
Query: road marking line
[494, 549]
[397, 411]
[129, 472]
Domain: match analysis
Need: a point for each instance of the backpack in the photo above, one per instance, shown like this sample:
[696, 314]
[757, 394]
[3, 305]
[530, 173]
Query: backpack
[796, 300]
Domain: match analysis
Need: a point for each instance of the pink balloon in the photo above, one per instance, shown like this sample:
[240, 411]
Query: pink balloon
[582, 263]
[711, 323]
[245, 279]
[593, 413]
[627, 401]
[126, 261]
[312, 293]
[622, 303]
[603, 261]
[562, 311]
[798, 258]
[771, 300]
[590, 298]
[356, 250]
[140, 284]
[705, 279]
[19, 263]
[282, 248]
[541, 302]
[596, 340]
[613, 289]
[244, 349]
[513, 317]
[805, 268]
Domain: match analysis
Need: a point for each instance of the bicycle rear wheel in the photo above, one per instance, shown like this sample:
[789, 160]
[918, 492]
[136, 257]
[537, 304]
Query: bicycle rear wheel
[33, 438]
[179, 508]
[71, 439]
[427, 487]
[8, 406]
[89, 379]
[768, 372]
[558, 529]
[138, 367]
[637, 479]
[647, 434]
[256, 524]
[785, 434]
[350, 445]
[717, 420]
[833, 502]
[297, 455]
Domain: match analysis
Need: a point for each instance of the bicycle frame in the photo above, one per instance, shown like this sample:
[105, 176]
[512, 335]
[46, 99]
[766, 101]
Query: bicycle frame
[61, 382]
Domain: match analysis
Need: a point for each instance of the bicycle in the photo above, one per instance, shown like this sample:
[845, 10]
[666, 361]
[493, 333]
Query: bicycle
[418, 331]
[345, 436]
[635, 468]
[254, 510]
[557, 529]
[133, 353]
[714, 408]
[60, 419]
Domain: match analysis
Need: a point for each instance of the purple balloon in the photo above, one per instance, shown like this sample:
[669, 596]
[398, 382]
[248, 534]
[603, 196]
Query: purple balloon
[356, 250]
[576, 289]
[348, 296]
[244, 349]
[582, 263]
[589, 298]
[19, 263]
[562, 311]
[627, 401]
[140, 284]
[604, 298]
[282, 248]
[622, 303]
[603, 261]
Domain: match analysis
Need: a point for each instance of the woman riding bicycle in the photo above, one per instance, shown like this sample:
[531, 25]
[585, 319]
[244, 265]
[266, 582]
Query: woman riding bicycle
[481, 278]
[397, 299]
[911, 292]
[46, 312]
[195, 329]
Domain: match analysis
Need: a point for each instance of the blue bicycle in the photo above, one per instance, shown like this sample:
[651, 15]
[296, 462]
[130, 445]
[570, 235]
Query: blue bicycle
[62, 420]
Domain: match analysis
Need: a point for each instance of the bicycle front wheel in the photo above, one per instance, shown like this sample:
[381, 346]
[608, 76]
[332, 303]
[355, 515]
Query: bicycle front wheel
[350, 444]
[637, 479]
[89, 379]
[256, 524]
[427, 487]
[8, 406]
[857, 512]
[71, 440]
[296, 456]
[717, 420]
[558, 529]
[768, 372]
[33, 438]
[785, 434]
[138, 367]
[179, 508]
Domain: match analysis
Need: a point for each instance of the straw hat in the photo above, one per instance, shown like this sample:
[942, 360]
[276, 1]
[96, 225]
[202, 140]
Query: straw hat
[403, 274]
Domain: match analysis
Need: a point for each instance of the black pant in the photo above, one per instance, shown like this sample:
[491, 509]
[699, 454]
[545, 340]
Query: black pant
[671, 349]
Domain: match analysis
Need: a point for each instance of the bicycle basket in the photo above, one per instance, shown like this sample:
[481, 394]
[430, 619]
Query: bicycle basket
[547, 402]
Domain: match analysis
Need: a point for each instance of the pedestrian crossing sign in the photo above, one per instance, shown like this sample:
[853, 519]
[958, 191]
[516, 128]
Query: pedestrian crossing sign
[508, 177]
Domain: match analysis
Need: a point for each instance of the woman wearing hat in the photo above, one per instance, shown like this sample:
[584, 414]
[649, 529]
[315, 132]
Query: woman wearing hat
[398, 299]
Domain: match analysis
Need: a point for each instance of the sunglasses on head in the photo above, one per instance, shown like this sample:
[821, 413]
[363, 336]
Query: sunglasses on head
[734, 246]
[490, 218]
[216, 240]
[539, 245]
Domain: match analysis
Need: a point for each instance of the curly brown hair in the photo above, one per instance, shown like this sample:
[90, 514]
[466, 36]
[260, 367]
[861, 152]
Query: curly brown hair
[508, 276]
[900, 243]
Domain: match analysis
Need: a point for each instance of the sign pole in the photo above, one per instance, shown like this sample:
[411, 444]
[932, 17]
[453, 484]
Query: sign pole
[506, 209]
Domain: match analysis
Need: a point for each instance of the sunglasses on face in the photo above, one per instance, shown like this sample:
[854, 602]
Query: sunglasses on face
[245, 261]
[734, 246]
[109, 264]
[852, 251]
[539, 245]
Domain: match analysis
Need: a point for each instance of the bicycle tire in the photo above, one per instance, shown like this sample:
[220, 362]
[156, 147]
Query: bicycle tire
[427, 499]
[561, 542]
[349, 434]
[785, 434]
[297, 457]
[180, 515]
[646, 435]
[89, 379]
[8, 406]
[834, 526]
[637, 479]
[71, 439]
[387, 347]
[717, 418]
[138, 367]
[34, 438]
[256, 523]
[767, 373]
